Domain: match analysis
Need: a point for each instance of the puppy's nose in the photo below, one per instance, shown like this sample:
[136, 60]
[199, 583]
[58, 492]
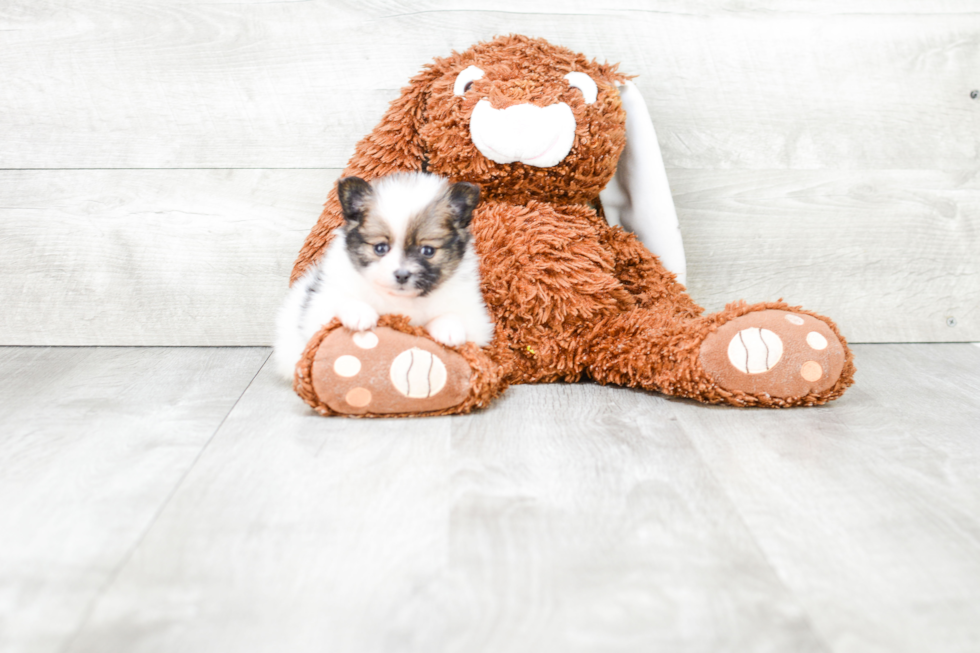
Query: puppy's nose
[402, 275]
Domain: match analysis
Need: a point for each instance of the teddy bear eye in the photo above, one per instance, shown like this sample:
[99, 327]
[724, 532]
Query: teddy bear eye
[584, 83]
[464, 81]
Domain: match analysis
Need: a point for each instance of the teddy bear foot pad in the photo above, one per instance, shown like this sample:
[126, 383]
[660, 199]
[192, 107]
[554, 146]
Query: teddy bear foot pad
[775, 353]
[385, 371]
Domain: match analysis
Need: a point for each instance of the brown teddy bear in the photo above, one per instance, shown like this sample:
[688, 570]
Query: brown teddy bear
[541, 129]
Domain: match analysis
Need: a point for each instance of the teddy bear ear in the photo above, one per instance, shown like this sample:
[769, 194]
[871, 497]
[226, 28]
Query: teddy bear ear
[638, 196]
[395, 144]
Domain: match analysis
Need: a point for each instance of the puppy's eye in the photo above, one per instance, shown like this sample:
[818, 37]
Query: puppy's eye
[427, 252]
[584, 83]
[381, 249]
[464, 81]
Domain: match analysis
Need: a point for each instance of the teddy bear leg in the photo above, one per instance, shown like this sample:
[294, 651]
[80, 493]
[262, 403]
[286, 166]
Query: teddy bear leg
[766, 354]
[394, 370]
[780, 356]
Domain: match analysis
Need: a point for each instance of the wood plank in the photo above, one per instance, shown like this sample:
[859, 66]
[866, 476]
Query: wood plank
[868, 509]
[93, 443]
[848, 84]
[202, 257]
[155, 257]
[327, 527]
[889, 255]
[564, 518]
[584, 520]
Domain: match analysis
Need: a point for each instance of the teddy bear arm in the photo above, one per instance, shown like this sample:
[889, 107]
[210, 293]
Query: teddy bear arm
[545, 275]
[392, 146]
[644, 276]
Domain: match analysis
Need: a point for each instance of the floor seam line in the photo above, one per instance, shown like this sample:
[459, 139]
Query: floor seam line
[132, 550]
[817, 633]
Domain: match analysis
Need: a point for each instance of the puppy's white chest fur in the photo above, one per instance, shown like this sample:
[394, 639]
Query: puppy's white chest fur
[404, 249]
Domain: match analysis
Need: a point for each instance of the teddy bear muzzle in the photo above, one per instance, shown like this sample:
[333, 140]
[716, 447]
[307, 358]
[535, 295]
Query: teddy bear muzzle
[536, 136]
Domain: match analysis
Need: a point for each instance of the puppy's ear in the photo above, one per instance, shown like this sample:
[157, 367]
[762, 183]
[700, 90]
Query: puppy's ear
[463, 198]
[355, 195]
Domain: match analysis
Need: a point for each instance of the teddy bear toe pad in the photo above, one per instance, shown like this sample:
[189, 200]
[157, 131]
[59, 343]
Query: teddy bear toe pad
[386, 372]
[774, 353]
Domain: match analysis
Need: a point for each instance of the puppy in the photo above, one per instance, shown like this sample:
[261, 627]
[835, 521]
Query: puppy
[405, 247]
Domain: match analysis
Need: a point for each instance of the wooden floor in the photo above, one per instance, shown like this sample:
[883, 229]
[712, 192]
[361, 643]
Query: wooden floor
[183, 499]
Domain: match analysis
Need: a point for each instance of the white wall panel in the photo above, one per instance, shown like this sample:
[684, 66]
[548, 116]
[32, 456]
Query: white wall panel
[823, 152]
[862, 84]
[202, 257]
[150, 257]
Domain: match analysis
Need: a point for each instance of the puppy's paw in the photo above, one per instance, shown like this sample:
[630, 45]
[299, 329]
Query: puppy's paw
[448, 330]
[358, 316]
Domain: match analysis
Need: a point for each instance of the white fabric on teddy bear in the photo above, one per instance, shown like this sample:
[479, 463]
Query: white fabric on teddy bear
[638, 198]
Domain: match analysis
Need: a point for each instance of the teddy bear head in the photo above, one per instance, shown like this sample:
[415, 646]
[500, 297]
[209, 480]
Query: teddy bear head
[526, 120]
[523, 118]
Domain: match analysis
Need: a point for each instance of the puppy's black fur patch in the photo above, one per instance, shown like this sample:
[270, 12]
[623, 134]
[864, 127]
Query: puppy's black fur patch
[357, 202]
[444, 226]
[355, 197]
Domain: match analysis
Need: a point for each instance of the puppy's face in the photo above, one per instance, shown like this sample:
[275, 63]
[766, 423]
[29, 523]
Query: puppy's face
[406, 233]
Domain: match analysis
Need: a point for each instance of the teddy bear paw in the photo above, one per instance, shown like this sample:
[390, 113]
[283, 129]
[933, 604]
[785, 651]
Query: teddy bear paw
[384, 371]
[774, 353]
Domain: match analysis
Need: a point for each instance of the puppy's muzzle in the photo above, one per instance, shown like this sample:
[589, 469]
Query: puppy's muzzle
[536, 136]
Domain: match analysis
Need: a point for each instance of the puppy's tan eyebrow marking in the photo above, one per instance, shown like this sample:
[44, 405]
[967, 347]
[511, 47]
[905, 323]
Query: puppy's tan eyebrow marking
[431, 225]
[374, 229]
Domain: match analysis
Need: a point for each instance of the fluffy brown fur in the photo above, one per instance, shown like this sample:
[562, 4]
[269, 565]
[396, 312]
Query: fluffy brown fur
[571, 297]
